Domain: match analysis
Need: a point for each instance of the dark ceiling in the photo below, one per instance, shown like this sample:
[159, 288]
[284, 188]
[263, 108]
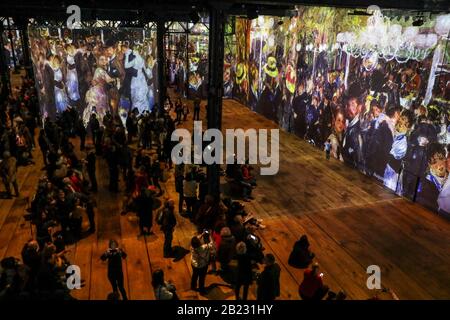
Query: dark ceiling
[180, 10]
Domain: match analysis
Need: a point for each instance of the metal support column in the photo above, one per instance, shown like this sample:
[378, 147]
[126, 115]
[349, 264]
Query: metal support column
[23, 26]
[215, 86]
[4, 71]
[11, 42]
[161, 63]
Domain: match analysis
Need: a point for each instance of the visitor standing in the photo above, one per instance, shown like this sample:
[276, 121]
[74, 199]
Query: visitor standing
[114, 256]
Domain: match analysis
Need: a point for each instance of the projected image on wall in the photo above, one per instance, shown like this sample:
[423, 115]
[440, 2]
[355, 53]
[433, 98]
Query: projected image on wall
[95, 71]
[376, 87]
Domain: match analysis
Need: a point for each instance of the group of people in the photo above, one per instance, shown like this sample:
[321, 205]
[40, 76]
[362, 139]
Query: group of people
[58, 207]
[19, 119]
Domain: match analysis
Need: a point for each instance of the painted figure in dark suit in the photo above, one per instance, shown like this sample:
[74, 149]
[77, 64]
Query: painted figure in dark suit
[415, 163]
[49, 89]
[84, 67]
[380, 144]
[115, 70]
[435, 177]
[352, 149]
[299, 109]
[271, 96]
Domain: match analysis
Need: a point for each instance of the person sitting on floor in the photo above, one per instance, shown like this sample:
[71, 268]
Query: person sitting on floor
[312, 287]
[301, 256]
[246, 173]
[163, 290]
[246, 186]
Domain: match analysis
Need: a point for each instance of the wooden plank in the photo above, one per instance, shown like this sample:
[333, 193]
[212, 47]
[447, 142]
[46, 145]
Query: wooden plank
[403, 283]
[404, 252]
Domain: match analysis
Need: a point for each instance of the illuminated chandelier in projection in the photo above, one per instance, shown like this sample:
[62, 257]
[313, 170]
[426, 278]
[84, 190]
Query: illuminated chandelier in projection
[381, 39]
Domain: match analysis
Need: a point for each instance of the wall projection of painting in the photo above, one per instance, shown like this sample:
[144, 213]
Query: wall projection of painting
[94, 71]
[376, 87]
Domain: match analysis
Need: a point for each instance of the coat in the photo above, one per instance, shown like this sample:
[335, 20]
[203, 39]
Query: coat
[299, 107]
[300, 256]
[168, 221]
[226, 250]
[352, 146]
[244, 270]
[378, 149]
[269, 283]
[9, 169]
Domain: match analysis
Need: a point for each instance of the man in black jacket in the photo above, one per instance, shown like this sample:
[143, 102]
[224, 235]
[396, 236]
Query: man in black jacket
[352, 149]
[299, 109]
[269, 280]
[114, 255]
[168, 223]
[432, 182]
[381, 143]
[91, 168]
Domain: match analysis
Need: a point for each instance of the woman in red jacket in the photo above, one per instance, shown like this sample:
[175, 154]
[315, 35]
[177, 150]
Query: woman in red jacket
[312, 287]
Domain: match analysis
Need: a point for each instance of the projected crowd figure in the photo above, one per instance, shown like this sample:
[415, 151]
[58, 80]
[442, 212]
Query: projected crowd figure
[94, 73]
[380, 115]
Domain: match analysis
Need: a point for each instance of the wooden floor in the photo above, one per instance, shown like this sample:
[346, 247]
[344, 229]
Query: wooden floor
[352, 222]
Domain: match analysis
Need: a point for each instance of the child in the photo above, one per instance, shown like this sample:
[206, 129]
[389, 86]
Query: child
[328, 149]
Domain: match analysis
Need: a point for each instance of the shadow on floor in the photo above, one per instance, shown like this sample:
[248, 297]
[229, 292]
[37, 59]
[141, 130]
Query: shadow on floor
[179, 253]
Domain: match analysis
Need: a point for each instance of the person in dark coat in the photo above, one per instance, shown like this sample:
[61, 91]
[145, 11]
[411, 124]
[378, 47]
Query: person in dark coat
[116, 70]
[197, 102]
[8, 173]
[84, 71]
[91, 168]
[301, 256]
[432, 183]
[269, 280]
[168, 224]
[114, 256]
[381, 143]
[352, 149]
[179, 178]
[271, 96]
[49, 89]
[32, 259]
[131, 125]
[81, 131]
[94, 125]
[144, 204]
[244, 275]
[299, 108]
[178, 110]
[415, 161]
[43, 145]
[269, 100]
